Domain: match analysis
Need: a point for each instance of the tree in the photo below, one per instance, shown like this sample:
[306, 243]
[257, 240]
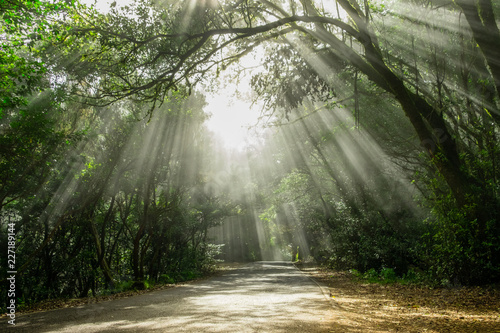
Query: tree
[24, 25]
[246, 27]
[147, 59]
[481, 18]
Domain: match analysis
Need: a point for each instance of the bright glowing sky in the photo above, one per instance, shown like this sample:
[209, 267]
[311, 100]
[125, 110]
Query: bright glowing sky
[230, 117]
[230, 122]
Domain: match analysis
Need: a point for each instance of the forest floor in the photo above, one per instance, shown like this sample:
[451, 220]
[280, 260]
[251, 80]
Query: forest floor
[372, 307]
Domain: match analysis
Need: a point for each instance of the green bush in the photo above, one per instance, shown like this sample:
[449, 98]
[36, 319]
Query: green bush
[371, 275]
[166, 279]
[119, 287]
[388, 274]
[190, 275]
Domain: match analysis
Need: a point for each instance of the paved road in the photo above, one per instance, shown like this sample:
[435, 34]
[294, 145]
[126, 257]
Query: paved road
[258, 297]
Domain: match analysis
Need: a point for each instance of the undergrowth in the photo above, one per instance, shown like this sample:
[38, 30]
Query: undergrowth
[388, 276]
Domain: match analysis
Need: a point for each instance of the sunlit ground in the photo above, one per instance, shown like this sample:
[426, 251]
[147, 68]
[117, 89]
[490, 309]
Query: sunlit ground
[404, 308]
[270, 297]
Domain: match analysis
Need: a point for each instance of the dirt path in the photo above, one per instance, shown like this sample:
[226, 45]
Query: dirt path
[258, 297]
[398, 308]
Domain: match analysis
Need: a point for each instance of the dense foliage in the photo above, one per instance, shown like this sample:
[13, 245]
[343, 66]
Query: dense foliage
[101, 198]
[381, 150]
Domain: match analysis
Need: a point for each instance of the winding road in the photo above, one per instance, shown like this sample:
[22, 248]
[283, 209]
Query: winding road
[258, 297]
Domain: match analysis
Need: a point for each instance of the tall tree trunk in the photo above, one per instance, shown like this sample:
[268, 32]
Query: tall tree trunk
[108, 275]
[136, 253]
[427, 121]
[481, 19]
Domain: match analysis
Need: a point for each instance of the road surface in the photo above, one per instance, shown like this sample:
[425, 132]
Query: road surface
[258, 297]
